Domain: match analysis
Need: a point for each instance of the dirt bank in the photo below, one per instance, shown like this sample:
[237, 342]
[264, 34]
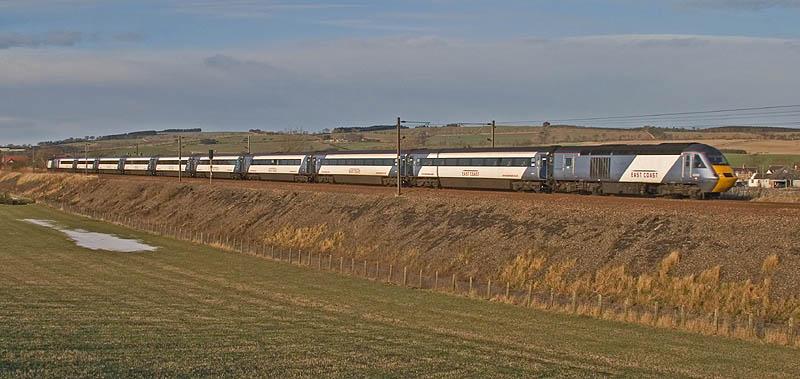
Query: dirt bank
[468, 232]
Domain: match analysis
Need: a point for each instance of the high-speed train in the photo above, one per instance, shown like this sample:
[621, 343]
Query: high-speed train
[669, 169]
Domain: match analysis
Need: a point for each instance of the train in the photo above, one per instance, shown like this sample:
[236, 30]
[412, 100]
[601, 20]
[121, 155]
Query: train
[693, 170]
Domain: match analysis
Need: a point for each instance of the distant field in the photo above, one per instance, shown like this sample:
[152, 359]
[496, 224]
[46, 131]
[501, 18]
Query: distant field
[191, 310]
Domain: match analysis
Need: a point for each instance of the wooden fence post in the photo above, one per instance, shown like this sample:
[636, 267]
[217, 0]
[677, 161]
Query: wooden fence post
[391, 268]
[405, 276]
[352, 266]
[600, 305]
[489, 289]
[377, 270]
[792, 331]
[529, 301]
[508, 290]
[436, 280]
[470, 286]
[574, 301]
[683, 315]
[750, 329]
[341, 264]
[655, 314]
[365, 269]
[552, 298]
[330, 262]
[420, 278]
[455, 288]
[716, 320]
[309, 257]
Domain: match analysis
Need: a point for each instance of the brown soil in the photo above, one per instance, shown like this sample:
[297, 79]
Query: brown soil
[467, 232]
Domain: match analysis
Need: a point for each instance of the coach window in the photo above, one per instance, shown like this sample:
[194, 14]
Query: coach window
[567, 163]
[506, 162]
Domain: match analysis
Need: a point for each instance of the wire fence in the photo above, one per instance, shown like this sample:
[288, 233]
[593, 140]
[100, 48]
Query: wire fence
[747, 326]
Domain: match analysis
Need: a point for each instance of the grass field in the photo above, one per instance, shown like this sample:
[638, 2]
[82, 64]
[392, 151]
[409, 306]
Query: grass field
[192, 310]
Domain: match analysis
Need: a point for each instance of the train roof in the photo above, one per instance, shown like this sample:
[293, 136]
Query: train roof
[672, 148]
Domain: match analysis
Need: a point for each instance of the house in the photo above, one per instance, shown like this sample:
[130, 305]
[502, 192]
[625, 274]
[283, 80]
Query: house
[744, 173]
[759, 180]
[779, 178]
[13, 160]
[775, 169]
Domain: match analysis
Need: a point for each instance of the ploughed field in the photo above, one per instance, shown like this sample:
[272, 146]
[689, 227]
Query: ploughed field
[187, 309]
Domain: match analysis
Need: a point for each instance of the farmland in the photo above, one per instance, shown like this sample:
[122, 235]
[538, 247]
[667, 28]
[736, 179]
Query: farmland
[192, 310]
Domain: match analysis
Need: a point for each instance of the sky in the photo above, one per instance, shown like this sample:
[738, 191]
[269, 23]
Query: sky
[89, 67]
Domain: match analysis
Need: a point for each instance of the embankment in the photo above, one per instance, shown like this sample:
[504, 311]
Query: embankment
[513, 237]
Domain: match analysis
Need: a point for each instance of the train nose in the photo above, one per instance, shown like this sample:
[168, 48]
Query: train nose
[725, 180]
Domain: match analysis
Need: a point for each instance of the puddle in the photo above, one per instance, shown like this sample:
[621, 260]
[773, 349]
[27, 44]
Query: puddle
[96, 241]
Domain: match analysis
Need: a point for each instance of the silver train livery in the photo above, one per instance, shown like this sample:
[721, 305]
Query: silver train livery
[668, 169]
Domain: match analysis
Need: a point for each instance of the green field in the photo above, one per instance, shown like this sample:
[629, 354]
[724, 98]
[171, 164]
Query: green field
[195, 311]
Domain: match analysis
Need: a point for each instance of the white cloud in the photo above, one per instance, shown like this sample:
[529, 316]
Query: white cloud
[431, 78]
[53, 38]
[742, 4]
[248, 8]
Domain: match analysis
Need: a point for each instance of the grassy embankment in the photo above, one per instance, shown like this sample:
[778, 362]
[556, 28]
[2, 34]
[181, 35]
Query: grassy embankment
[193, 310]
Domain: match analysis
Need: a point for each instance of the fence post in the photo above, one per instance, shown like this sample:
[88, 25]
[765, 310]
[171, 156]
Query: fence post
[290, 255]
[341, 264]
[319, 261]
[309, 257]
[552, 298]
[750, 329]
[352, 266]
[530, 294]
[655, 314]
[365, 269]
[330, 262]
[391, 269]
[455, 287]
[716, 320]
[489, 289]
[405, 276]
[625, 307]
[420, 278]
[600, 305]
[683, 315]
[791, 331]
[470, 286]
[272, 251]
[436, 280]
[377, 270]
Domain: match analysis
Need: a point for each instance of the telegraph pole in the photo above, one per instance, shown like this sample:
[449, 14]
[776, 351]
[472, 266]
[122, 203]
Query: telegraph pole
[493, 126]
[210, 166]
[33, 157]
[398, 157]
[180, 157]
[86, 159]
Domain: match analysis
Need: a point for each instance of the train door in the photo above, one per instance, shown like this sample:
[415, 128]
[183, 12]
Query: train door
[686, 166]
[238, 168]
[544, 166]
[408, 167]
[310, 165]
[151, 166]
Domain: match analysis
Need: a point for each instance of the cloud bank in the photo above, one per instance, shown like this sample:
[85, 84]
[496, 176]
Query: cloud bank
[362, 81]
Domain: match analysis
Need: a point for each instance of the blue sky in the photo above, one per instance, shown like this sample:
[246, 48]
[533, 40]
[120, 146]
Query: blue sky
[85, 67]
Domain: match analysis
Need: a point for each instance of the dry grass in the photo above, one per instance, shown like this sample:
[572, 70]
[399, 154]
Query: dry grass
[190, 310]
